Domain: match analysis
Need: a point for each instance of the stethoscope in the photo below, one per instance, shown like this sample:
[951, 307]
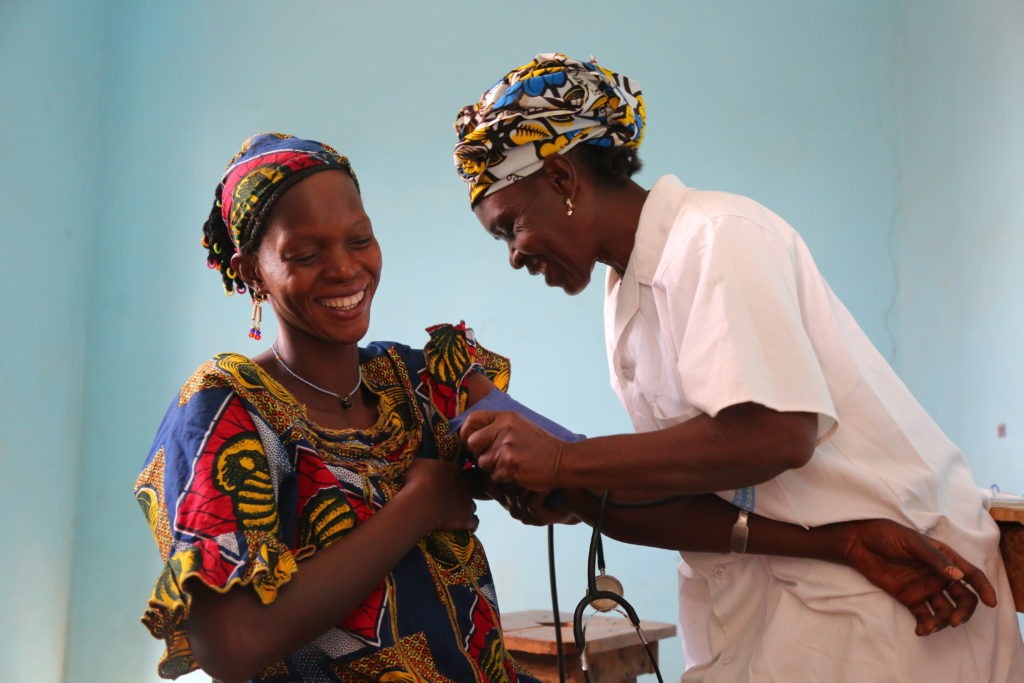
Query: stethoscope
[604, 594]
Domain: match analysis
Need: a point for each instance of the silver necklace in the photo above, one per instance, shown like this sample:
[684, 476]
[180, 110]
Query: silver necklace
[345, 401]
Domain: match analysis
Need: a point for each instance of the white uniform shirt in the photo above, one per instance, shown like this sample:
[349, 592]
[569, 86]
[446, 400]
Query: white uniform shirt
[720, 304]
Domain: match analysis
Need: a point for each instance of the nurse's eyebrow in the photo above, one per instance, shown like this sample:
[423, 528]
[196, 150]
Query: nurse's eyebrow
[498, 228]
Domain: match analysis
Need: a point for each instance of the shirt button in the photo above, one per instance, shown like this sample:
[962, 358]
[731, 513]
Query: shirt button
[628, 373]
[720, 573]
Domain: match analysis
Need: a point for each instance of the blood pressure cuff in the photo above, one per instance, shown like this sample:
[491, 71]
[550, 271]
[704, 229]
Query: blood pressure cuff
[499, 400]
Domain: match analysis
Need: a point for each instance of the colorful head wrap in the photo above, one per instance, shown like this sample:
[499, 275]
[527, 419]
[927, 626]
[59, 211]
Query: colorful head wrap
[266, 166]
[542, 108]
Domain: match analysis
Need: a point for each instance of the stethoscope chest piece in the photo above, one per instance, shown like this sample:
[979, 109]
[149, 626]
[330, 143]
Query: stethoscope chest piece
[606, 583]
[604, 594]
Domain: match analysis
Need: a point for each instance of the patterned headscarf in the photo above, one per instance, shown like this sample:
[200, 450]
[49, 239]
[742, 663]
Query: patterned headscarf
[266, 166]
[542, 108]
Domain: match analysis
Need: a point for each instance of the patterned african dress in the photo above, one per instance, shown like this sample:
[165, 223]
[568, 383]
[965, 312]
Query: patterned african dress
[240, 487]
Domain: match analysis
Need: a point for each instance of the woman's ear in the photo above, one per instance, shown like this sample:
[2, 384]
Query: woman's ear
[561, 173]
[248, 269]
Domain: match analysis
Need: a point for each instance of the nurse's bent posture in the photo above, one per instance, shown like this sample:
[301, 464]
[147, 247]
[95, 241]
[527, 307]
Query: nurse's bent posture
[744, 375]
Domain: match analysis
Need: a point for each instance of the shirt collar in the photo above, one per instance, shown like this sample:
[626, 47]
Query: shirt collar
[622, 296]
[656, 219]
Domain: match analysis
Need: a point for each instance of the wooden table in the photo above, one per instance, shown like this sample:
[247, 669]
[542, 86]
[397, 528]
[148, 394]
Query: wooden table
[1011, 545]
[614, 652]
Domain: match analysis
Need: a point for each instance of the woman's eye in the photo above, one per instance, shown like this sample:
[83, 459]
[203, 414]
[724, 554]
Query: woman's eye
[302, 258]
[362, 243]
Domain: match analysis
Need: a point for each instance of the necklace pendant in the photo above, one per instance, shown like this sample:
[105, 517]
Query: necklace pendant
[345, 401]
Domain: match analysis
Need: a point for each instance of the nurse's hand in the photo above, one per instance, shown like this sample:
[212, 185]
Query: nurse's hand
[513, 450]
[536, 508]
[533, 507]
[937, 585]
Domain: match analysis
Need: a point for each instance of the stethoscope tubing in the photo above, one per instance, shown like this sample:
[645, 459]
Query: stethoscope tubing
[595, 563]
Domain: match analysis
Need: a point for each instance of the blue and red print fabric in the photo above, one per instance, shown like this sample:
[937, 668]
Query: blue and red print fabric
[240, 487]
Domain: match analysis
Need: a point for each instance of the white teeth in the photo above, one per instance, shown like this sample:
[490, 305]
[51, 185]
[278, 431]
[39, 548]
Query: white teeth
[345, 303]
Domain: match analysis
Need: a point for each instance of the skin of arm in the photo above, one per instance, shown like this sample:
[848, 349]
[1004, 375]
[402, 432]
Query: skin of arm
[743, 445]
[922, 574]
[938, 586]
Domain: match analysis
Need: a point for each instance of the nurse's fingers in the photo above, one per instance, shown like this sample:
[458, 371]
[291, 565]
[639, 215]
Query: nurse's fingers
[921, 589]
[976, 579]
[494, 463]
[966, 602]
[942, 608]
[973, 577]
[475, 421]
[925, 619]
[479, 431]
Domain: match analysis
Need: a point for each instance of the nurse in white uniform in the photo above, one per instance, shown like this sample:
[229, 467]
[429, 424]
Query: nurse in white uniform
[745, 377]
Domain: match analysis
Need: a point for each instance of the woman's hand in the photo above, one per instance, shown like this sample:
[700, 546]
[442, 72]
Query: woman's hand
[444, 492]
[513, 450]
[234, 636]
[937, 585]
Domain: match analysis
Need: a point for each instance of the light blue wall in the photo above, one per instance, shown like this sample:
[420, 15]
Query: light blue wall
[49, 97]
[961, 280]
[383, 84]
[805, 105]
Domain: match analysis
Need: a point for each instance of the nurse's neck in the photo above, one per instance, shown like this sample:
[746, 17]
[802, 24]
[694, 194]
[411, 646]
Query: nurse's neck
[619, 217]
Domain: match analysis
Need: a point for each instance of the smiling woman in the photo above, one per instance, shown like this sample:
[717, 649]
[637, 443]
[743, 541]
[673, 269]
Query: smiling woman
[318, 264]
[751, 389]
[550, 235]
[308, 503]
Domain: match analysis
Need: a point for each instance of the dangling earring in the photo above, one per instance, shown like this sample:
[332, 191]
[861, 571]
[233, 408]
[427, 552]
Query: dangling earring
[568, 206]
[257, 315]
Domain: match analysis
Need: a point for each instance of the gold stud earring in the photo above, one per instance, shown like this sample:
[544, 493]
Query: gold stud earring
[568, 206]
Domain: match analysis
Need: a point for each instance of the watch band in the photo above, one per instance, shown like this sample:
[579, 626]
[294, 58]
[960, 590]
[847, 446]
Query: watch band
[740, 531]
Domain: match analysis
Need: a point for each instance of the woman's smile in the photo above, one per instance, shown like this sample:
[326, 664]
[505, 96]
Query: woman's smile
[344, 303]
[319, 261]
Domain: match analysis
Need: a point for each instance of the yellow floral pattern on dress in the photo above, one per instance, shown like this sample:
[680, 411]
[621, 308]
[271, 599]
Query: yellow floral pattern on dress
[245, 487]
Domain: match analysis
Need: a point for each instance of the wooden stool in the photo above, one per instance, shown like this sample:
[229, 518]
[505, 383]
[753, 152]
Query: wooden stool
[614, 651]
[1010, 518]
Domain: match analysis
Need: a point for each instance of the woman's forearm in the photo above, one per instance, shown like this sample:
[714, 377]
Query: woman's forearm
[234, 635]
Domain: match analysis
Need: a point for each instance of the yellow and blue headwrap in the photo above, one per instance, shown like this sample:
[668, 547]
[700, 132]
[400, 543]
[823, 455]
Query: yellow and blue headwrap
[542, 108]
